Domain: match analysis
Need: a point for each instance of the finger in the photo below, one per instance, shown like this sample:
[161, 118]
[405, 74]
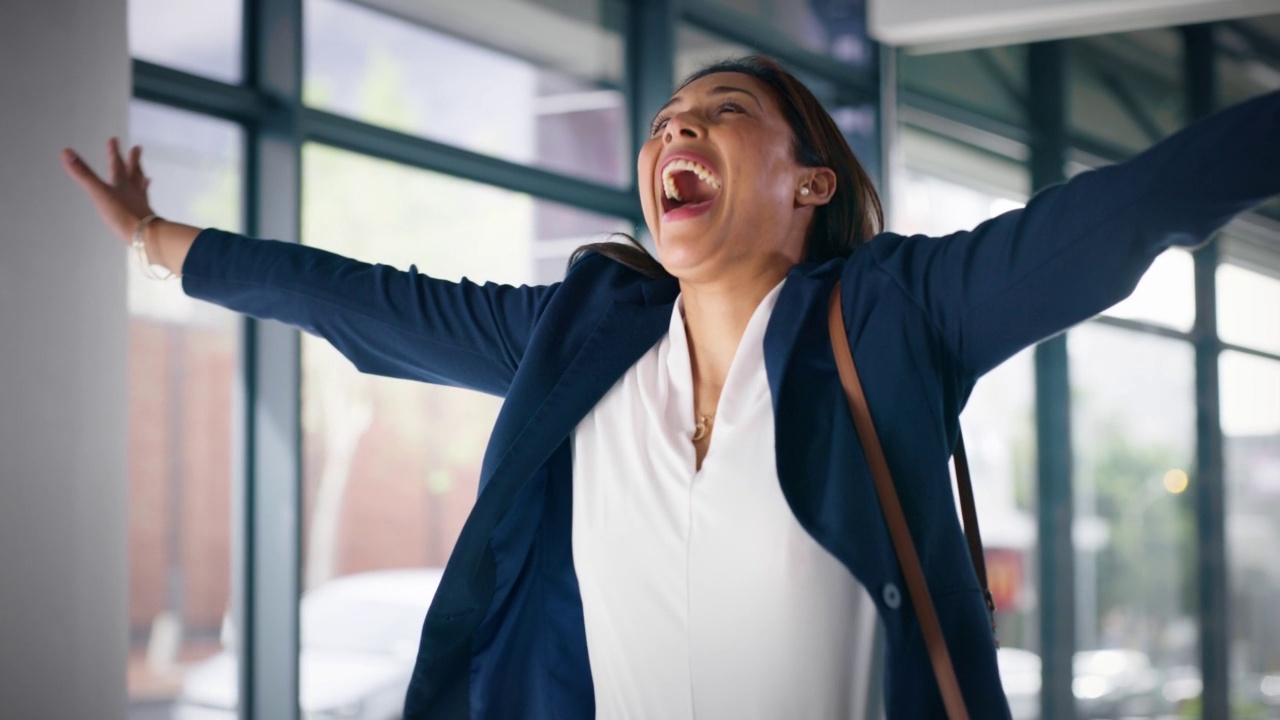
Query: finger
[80, 171]
[138, 162]
[132, 165]
[115, 163]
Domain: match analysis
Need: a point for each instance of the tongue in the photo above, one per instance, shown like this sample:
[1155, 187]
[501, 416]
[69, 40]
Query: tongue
[692, 189]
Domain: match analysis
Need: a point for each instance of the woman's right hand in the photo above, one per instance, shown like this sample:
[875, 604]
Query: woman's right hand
[121, 201]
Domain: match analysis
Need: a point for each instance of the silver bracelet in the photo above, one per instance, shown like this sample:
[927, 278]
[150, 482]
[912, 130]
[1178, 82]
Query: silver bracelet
[140, 247]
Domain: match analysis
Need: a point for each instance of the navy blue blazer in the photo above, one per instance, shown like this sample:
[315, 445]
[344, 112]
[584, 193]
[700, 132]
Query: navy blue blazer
[926, 317]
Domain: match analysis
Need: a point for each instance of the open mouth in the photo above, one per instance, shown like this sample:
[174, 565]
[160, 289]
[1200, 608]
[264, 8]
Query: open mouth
[687, 183]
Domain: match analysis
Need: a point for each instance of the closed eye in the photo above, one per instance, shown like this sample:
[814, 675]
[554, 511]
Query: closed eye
[660, 122]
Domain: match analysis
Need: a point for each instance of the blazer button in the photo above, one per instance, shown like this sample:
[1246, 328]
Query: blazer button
[892, 598]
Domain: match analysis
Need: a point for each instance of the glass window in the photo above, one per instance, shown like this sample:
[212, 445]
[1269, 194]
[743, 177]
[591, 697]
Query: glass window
[1248, 308]
[990, 81]
[1000, 180]
[1133, 437]
[1166, 294]
[204, 37]
[999, 431]
[939, 193]
[696, 49]
[947, 186]
[934, 206]
[1126, 88]
[391, 468]
[183, 357]
[1250, 388]
[1247, 66]
[551, 97]
[837, 28]
[1246, 63]
[858, 119]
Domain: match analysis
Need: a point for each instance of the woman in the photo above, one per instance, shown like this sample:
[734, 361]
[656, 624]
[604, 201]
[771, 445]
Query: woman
[675, 516]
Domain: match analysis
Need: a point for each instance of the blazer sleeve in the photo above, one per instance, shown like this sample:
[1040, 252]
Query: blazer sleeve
[1081, 246]
[386, 321]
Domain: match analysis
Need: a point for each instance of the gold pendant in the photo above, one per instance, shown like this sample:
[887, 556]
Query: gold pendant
[700, 428]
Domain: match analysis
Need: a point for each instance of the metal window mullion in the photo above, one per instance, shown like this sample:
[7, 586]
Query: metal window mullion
[242, 444]
[1212, 581]
[271, 551]
[269, 555]
[196, 93]
[942, 117]
[650, 52]
[892, 159]
[1143, 327]
[1047, 113]
[1246, 350]
[249, 106]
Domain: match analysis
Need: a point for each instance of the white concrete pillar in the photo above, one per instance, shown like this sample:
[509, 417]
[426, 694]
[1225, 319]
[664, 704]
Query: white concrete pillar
[64, 82]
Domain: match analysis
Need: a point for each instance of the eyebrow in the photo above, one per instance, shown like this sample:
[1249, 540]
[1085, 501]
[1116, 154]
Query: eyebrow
[717, 90]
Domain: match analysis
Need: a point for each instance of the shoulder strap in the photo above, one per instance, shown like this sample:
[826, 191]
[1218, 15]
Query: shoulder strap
[943, 669]
[972, 533]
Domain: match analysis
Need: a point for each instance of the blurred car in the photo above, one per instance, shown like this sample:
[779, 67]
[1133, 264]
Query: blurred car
[1020, 675]
[1256, 695]
[1107, 684]
[1252, 695]
[1269, 687]
[359, 639]
[1181, 687]
[1117, 683]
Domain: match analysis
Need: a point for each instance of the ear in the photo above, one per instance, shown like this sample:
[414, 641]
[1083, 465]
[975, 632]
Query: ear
[821, 182]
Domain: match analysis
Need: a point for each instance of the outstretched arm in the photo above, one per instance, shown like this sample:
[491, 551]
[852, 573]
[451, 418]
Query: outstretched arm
[1081, 246]
[387, 322]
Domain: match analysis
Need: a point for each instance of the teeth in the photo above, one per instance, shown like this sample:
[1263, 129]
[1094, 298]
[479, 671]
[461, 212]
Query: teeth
[669, 185]
[682, 165]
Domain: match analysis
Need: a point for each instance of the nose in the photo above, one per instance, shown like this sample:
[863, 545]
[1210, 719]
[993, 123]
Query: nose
[683, 125]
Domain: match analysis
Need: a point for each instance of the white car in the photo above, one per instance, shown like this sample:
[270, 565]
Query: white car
[1020, 675]
[1117, 683]
[359, 641]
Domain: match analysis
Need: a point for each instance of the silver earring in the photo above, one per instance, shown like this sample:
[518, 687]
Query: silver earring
[804, 190]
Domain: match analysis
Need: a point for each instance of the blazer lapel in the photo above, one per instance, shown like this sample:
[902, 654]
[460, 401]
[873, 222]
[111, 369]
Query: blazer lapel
[820, 465]
[568, 367]
[563, 378]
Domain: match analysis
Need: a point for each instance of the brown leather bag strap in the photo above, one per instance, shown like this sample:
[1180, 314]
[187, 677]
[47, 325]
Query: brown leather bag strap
[943, 669]
[969, 513]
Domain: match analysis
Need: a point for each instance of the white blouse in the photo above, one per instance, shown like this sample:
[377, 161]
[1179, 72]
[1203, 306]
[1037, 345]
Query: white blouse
[702, 595]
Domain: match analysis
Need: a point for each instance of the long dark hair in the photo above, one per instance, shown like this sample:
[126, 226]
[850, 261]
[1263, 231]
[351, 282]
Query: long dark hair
[853, 215]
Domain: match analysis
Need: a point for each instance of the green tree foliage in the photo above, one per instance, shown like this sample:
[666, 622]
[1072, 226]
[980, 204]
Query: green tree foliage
[1145, 568]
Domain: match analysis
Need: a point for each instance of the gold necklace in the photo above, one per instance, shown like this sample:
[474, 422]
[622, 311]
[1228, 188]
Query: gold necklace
[703, 426]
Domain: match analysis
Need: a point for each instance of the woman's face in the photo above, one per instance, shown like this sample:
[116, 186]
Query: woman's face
[719, 182]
